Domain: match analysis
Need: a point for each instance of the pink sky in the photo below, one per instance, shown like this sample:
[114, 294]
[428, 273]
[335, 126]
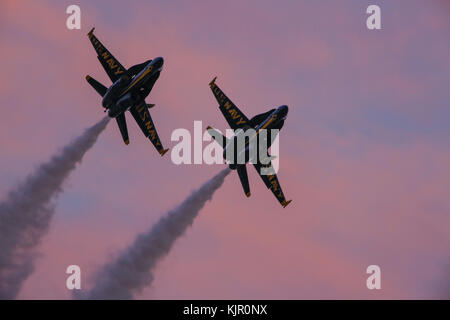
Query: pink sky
[365, 153]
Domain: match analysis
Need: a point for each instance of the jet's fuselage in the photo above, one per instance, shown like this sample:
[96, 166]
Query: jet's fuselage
[127, 91]
[248, 144]
[275, 120]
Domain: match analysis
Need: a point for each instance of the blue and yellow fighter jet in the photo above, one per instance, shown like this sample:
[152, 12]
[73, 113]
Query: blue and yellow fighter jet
[128, 91]
[250, 129]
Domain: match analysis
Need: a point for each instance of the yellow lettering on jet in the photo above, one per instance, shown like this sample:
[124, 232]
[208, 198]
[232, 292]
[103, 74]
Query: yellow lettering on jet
[241, 121]
[153, 136]
[111, 63]
[234, 114]
[227, 105]
[144, 116]
[216, 91]
[119, 71]
[105, 55]
[149, 125]
[274, 185]
[273, 181]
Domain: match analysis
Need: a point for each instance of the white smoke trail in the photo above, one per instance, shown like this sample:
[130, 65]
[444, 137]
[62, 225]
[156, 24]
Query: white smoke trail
[26, 213]
[132, 270]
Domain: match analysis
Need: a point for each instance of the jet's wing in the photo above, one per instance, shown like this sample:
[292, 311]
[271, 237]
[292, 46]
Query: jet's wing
[111, 65]
[145, 122]
[235, 117]
[273, 184]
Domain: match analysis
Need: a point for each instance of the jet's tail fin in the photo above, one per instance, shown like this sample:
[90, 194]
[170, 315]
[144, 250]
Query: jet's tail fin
[220, 138]
[101, 89]
[242, 172]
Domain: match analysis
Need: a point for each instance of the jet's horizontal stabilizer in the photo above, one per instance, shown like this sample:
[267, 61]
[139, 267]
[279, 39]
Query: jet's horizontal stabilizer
[150, 105]
[101, 89]
[220, 138]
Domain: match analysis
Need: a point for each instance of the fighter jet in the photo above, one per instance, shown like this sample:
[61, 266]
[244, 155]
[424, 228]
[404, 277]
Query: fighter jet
[128, 91]
[250, 130]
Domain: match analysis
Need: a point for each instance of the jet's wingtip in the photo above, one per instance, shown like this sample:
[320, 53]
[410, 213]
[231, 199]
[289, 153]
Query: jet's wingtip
[248, 194]
[88, 77]
[286, 203]
[127, 142]
[91, 32]
[213, 81]
[208, 128]
[163, 152]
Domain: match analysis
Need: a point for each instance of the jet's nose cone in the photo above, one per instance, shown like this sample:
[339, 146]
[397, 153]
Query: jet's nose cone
[158, 62]
[283, 111]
